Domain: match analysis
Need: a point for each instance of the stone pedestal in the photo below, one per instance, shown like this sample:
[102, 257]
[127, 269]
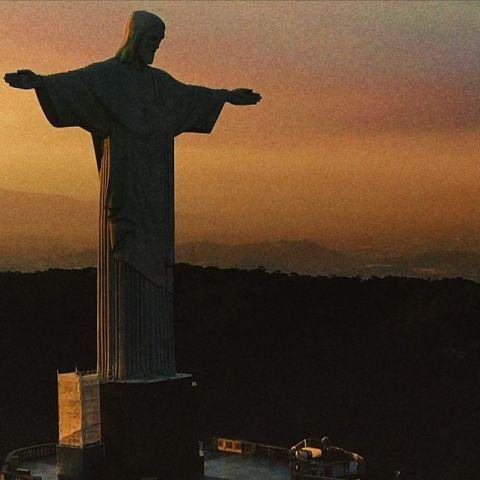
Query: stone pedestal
[80, 463]
[151, 429]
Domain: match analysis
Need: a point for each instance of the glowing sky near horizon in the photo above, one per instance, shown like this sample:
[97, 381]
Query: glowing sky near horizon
[367, 132]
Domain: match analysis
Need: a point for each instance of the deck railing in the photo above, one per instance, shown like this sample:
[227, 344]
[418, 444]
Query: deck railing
[10, 468]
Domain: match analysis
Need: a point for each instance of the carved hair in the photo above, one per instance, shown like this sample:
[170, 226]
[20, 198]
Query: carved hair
[138, 23]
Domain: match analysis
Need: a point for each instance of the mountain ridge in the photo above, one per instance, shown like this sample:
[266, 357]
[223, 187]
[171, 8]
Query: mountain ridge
[39, 231]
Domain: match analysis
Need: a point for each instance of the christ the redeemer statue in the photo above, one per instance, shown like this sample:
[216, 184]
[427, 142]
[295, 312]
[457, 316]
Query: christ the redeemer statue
[133, 112]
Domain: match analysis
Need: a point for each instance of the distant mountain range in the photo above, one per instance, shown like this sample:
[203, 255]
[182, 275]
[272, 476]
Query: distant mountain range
[40, 231]
[309, 258]
[289, 256]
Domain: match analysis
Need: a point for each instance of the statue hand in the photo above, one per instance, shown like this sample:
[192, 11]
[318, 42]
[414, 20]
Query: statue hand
[25, 79]
[243, 96]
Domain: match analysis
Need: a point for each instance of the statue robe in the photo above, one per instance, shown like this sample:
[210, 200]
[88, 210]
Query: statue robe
[133, 116]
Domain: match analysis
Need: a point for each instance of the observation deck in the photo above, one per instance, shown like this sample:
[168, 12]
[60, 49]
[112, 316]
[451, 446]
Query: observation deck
[39, 463]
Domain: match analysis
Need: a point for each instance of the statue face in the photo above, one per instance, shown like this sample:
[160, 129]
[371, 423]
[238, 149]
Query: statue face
[149, 44]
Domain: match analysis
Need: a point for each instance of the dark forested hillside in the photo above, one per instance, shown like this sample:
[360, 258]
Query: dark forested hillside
[388, 367]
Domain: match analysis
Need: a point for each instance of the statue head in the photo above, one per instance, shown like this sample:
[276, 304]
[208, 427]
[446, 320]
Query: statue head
[143, 33]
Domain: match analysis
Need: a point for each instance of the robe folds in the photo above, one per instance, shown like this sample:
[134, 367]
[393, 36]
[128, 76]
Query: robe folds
[133, 116]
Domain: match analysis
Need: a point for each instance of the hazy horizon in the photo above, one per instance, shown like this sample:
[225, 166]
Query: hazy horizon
[37, 214]
[61, 232]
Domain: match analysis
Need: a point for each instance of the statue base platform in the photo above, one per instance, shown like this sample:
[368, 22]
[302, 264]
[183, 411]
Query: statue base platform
[79, 463]
[151, 429]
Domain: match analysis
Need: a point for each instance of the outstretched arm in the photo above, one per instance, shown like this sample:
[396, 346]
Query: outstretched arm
[196, 108]
[242, 96]
[24, 79]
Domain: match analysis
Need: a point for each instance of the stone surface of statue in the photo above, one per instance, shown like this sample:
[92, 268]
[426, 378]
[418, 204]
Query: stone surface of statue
[133, 112]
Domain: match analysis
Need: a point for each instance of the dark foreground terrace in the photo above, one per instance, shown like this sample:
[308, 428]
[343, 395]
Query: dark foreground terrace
[218, 466]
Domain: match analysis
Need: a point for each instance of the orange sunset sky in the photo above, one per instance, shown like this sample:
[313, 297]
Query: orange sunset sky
[367, 134]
